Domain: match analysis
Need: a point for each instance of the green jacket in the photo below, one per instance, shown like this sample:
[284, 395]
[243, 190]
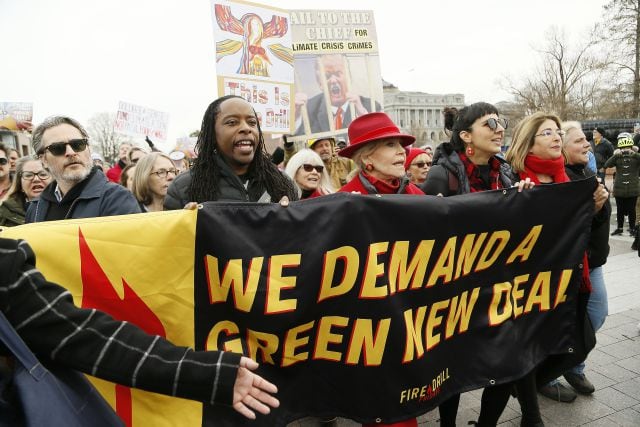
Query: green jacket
[626, 182]
[11, 213]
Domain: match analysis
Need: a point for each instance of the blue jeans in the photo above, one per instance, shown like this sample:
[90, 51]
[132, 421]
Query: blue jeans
[597, 307]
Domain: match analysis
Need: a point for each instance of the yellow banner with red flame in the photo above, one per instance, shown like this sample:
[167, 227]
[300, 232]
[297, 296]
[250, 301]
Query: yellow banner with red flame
[138, 268]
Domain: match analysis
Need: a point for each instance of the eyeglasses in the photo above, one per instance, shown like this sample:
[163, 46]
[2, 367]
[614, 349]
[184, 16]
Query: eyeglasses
[309, 168]
[3, 161]
[549, 132]
[59, 148]
[421, 164]
[493, 123]
[29, 176]
[162, 173]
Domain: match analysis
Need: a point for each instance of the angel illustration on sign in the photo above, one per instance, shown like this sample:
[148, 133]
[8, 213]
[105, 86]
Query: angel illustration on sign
[255, 59]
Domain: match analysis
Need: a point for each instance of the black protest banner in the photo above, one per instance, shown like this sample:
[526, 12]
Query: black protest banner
[379, 308]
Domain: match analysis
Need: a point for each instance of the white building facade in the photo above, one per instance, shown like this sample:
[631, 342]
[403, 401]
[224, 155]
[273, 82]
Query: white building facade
[420, 114]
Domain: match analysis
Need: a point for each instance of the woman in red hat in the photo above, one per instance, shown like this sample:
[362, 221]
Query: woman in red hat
[376, 146]
[417, 165]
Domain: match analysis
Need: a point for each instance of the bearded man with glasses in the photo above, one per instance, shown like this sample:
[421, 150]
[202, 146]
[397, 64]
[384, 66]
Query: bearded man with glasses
[79, 189]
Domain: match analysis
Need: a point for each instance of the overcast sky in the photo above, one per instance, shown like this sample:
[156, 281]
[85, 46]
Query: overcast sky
[79, 57]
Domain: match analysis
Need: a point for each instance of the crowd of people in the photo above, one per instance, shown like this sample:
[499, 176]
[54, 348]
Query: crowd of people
[64, 179]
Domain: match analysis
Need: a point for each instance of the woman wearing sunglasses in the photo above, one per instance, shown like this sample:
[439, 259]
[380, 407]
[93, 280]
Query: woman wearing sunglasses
[153, 174]
[469, 162]
[417, 165]
[308, 173]
[30, 179]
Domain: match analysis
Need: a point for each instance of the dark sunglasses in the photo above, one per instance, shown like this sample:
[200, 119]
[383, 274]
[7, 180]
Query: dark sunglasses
[59, 148]
[3, 161]
[309, 168]
[492, 123]
[421, 164]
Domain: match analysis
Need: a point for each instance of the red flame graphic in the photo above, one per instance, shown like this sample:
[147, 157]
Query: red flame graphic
[99, 293]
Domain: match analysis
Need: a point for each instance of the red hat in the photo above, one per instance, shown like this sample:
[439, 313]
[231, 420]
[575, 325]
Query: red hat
[412, 154]
[372, 127]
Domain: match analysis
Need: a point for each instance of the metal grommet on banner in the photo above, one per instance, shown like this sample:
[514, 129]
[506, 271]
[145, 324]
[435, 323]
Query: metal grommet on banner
[504, 191]
[570, 349]
[378, 420]
[200, 206]
[492, 382]
[580, 265]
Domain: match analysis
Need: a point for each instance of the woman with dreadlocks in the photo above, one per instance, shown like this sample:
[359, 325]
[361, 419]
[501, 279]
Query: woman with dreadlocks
[232, 163]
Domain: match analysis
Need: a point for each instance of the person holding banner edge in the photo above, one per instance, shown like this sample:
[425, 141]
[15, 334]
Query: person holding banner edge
[576, 149]
[470, 163]
[377, 148]
[536, 152]
[92, 342]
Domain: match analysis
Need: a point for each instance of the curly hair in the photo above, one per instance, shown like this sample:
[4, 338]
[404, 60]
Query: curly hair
[205, 174]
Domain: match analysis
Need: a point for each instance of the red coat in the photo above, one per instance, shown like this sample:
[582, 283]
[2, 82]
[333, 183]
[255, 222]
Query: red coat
[114, 173]
[356, 185]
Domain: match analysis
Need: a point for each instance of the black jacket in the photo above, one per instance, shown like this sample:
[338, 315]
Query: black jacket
[598, 247]
[448, 175]
[230, 188]
[92, 342]
[602, 151]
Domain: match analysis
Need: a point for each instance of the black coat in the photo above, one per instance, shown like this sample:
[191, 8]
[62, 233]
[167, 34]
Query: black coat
[598, 247]
[448, 176]
[230, 188]
[602, 151]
